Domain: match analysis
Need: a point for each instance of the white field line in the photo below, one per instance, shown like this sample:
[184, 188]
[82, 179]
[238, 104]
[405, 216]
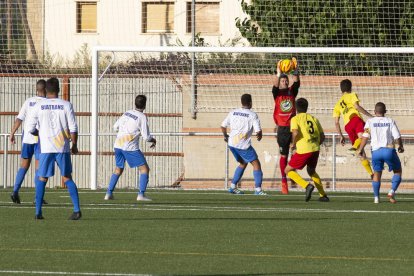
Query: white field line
[67, 273]
[176, 208]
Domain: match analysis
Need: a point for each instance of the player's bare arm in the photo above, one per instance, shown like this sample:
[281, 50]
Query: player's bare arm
[74, 139]
[321, 138]
[400, 145]
[338, 129]
[226, 136]
[295, 134]
[17, 124]
[153, 142]
[276, 77]
[362, 110]
[259, 135]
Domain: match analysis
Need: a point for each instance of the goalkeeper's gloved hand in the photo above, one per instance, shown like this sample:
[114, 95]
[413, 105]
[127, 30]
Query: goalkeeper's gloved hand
[226, 138]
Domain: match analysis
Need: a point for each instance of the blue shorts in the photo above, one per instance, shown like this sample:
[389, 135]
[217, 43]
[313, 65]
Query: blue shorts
[134, 158]
[244, 155]
[29, 149]
[388, 156]
[47, 164]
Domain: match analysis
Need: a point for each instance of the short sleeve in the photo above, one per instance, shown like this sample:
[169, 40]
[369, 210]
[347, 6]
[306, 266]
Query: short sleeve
[294, 123]
[367, 130]
[395, 131]
[226, 121]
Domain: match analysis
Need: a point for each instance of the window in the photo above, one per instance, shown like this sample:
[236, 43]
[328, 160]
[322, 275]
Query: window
[207, 17]
[157, 17]
[86, 17]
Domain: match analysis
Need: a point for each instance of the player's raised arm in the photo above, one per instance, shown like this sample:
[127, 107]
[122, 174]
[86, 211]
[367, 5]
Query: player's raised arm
[362, 110]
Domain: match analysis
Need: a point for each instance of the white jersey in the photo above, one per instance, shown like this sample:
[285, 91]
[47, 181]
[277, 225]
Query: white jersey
[26, 109]
[56, 120]
[242, 122]
[382, 130]
[130, 127]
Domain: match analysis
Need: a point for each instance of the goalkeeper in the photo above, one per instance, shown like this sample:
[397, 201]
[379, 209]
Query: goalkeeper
[284, 99]
[348, 106]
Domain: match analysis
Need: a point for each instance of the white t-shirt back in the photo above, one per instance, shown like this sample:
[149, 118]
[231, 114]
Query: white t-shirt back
[56, 120]
[382, 130]
[130, 126]
[242, 123]
[26, 109]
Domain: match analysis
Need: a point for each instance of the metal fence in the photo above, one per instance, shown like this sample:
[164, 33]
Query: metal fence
[338, 170]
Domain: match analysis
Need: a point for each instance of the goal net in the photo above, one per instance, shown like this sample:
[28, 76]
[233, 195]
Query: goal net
[191, 90]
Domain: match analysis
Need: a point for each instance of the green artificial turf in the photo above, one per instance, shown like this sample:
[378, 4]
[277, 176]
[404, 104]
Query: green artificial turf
[208, 233]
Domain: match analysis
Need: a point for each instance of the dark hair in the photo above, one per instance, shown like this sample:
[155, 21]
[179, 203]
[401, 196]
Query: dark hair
[380, 108]
[40, 86]
[302, 105]
[52, 85]
[346, 85]
[246, 99]
[140, 101]
[41, 83]
[283, 76]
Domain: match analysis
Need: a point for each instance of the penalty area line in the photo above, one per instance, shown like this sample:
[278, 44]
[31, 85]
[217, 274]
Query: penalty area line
[206, 254]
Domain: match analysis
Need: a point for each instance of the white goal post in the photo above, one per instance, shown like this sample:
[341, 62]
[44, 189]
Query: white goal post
[97, 75]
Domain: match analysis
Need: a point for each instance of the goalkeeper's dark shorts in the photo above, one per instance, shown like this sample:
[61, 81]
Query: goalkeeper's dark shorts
[284, 138]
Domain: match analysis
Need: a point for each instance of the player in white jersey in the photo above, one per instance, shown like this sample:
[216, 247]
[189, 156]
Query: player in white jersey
[56, 128]
[242, 122]
[384, 133]
[132, 125]
[30, 145]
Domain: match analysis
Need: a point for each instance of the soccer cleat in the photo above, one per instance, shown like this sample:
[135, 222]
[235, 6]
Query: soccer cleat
[261, 193]
[324, 198]
[15, 197]
[75, 216]
[143, 198]
[309, 190]
[391, 196]
[236, 191]
[376, 200]
[352, 151]
[39, 216]
[109, 197]
[285, 189]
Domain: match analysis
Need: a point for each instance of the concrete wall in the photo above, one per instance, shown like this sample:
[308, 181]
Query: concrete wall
[119, 24]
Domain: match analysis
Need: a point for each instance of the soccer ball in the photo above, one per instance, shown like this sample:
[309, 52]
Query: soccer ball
[288, 65]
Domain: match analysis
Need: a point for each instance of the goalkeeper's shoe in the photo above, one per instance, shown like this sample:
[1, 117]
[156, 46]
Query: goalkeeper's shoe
[309, 190]
[376, 200]
[141, 197]
[285, 189]
[391, 196]
[261, 193]
[75, 216]
[324, 198]
[15, 197]
[236, 191]
[109, 197]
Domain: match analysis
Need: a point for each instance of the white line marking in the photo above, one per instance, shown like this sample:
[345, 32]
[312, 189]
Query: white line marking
[68, 273]
[175, 208]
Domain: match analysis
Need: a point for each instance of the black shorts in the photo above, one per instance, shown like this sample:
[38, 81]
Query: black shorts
[284, 137]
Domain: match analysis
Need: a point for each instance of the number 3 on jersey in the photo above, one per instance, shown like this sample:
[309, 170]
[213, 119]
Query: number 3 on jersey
[311, 128]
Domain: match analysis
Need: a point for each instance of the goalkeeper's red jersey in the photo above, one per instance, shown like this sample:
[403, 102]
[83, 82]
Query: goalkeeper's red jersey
[285, 107]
